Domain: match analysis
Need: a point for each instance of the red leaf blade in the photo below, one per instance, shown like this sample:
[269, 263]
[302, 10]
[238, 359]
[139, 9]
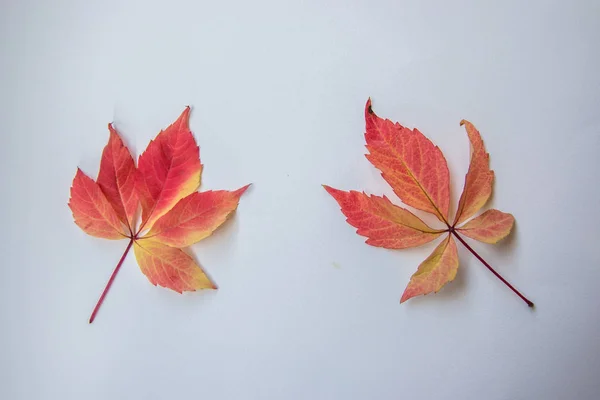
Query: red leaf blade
[169, 170]
[383, 223]
[195, 217]
[413, 166]
[91, 210]
[117, 178]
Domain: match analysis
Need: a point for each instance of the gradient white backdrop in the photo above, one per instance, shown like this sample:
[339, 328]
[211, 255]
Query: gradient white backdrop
[305, 309]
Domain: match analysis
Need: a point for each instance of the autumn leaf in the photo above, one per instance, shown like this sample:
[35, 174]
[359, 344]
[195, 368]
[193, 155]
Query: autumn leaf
[418, 173]
[173, 214]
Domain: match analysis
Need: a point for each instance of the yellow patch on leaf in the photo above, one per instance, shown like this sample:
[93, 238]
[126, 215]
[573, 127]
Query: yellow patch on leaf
[490, 227]
[168, 170]
[170, 267]
[433, 273]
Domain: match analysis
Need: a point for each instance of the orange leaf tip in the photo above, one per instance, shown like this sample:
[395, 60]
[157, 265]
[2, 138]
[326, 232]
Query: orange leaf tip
[368, 107]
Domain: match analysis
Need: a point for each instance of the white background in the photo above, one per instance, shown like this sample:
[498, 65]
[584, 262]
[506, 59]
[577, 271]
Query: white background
[305, 309]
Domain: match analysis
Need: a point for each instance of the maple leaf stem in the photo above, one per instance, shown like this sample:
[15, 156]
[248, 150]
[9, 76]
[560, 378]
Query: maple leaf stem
[525, 299]
[110, 282]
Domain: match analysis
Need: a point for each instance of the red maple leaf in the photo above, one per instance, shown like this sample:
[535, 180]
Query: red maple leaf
[173, 214]
[417, 172]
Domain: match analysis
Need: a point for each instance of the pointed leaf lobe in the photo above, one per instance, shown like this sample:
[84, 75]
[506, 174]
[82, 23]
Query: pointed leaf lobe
[490, 227]
[413, 166]
[433, 273]
[170, 267]
[169, 170]
[117, 178]
[92, 211]
[383, 223]
[195, 217]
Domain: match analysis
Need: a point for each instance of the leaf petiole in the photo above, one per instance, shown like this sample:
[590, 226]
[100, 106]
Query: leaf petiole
[110, 282]
[525, 299]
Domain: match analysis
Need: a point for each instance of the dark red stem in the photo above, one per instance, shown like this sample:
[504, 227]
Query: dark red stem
[110, 282]
[525, 299]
